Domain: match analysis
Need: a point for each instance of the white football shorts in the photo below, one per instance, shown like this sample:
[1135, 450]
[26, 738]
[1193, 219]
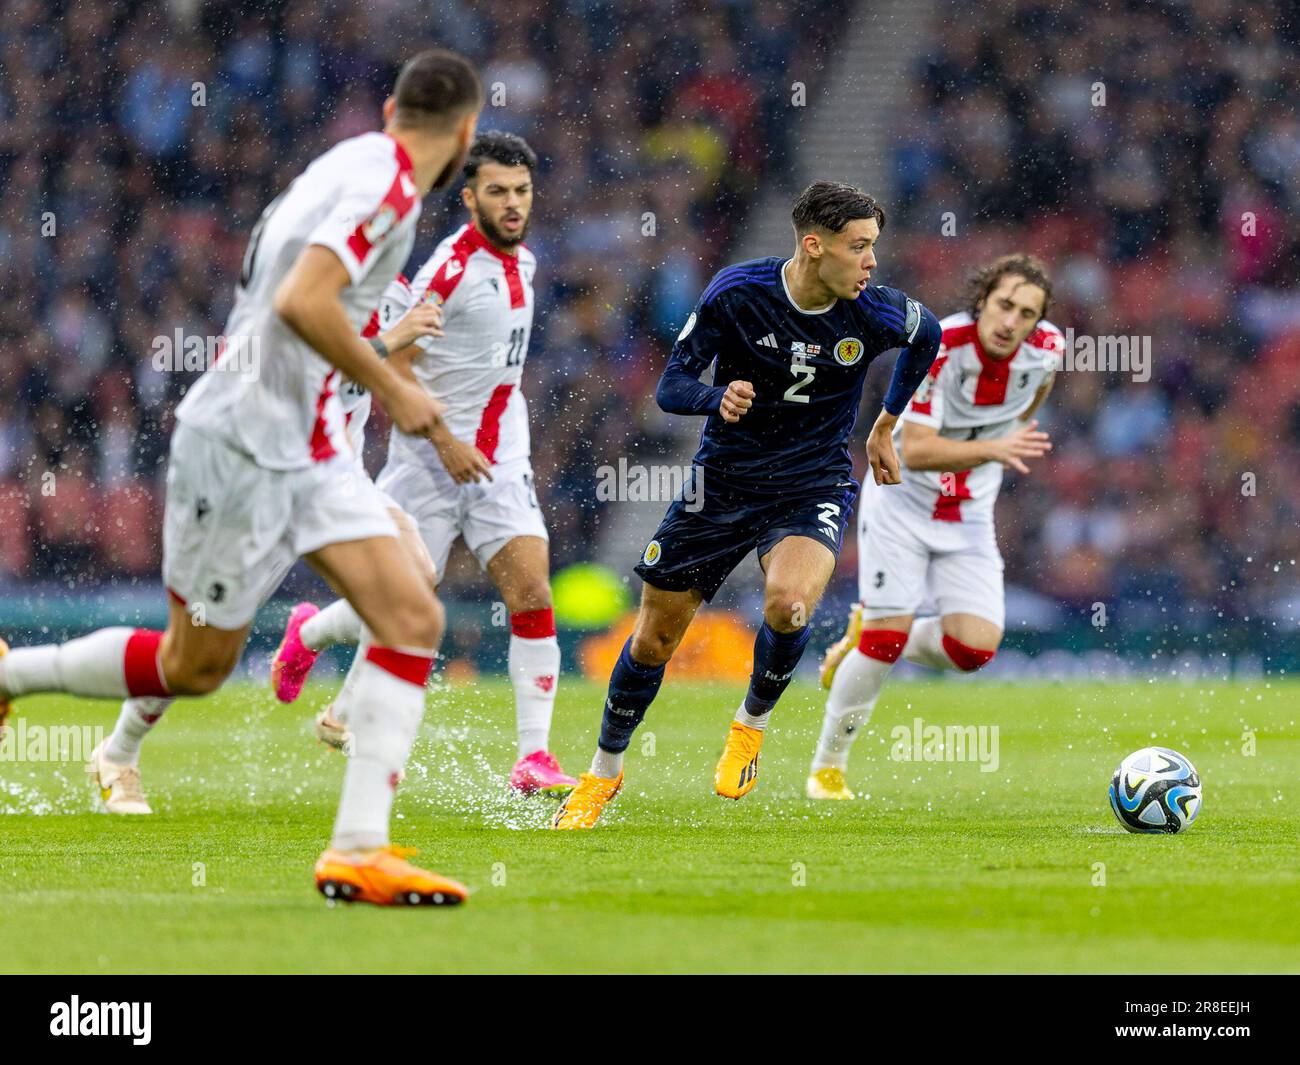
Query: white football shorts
[487, 514]
[907, 561]
[233, 529]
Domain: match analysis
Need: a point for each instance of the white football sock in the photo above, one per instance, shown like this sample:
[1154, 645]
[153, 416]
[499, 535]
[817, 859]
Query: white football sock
[534, 667]
[92, 666]
[607, 765]
[853, 696]
[337, 623]
[746, 718]
[339, 708]
[925, 644]
[138, 716]
[383, 715]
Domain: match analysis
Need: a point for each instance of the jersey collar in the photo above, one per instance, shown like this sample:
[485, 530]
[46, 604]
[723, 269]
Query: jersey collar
[478, 240]
[790, 299]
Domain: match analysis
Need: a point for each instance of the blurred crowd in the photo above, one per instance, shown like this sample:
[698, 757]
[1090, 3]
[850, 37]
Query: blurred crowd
[1149, 151]
[139, 142]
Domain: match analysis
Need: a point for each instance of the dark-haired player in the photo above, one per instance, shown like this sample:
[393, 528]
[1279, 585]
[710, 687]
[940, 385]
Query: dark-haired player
[261, 473]
[790, 339]
[472, 478]
[934, 537]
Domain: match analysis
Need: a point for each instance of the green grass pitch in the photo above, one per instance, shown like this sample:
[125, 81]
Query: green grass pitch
[937, 866]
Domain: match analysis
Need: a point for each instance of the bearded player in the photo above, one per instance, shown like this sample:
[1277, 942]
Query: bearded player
[261, 471]
[472, 478]
[791, 339]
[934, 537]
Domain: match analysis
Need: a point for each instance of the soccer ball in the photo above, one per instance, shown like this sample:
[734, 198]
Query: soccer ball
[1155, 790]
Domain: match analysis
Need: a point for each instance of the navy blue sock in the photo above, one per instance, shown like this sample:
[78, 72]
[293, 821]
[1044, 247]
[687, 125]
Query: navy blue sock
[775, 656]
[632, 688]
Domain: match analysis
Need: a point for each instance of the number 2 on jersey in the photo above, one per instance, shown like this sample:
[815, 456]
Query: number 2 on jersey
[803, 374]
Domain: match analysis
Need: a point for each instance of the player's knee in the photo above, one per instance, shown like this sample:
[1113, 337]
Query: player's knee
[533, 593]
[654, 646]
[786, 610]
[967, 658]
[417, 621]
[200, 676]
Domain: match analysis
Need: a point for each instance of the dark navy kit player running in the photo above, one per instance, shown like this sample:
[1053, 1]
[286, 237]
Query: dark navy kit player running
[792, 337]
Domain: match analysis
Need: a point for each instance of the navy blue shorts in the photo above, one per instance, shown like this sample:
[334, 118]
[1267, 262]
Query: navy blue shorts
[699, 548]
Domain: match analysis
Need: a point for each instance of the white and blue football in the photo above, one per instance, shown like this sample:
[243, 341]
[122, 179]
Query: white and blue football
[1156, 790]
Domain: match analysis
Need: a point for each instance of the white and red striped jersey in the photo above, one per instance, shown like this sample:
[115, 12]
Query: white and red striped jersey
[394, 303]
[269, 393]
[476, 366]
[970, 395]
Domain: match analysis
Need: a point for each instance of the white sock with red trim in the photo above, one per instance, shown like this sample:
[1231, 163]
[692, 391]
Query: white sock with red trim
[853, 695]
[108, 664]
[134, 723]
[383, 713]
[337, 623]
[534, 666]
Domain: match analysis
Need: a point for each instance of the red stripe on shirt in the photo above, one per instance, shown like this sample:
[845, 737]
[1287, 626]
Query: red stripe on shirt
[395, 200]
[447, 276]
[1047, 339]
[991, 385]
[947, 506]
[957, 335]
[514, 283]
[321, 448]
[509, 264]
[924, 407]
[489, 426]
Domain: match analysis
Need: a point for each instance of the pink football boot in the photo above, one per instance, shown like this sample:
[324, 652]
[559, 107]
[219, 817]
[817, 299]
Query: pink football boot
[294, 659]
[540, 774]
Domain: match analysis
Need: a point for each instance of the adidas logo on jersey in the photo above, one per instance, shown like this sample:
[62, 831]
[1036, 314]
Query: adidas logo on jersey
[769, 341]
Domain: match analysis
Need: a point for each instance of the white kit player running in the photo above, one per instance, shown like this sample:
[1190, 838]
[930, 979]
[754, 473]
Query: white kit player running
[471, 478]
[932, 537]
[261, 473]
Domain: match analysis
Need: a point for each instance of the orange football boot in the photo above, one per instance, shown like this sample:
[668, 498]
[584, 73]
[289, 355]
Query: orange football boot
[583, 805]
[738, 767]
[383, 876]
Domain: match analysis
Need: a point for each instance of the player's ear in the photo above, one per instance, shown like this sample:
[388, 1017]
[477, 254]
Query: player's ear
[812, 244]
[390, 108]
[467, 196]
[468, 127]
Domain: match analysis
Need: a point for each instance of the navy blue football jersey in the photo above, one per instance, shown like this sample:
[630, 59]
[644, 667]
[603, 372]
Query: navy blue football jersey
[807, 369]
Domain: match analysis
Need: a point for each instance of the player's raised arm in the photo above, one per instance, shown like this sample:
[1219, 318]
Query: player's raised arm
[923, 337]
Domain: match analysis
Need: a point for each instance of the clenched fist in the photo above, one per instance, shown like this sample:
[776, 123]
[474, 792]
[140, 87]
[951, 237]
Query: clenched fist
[738, 398]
